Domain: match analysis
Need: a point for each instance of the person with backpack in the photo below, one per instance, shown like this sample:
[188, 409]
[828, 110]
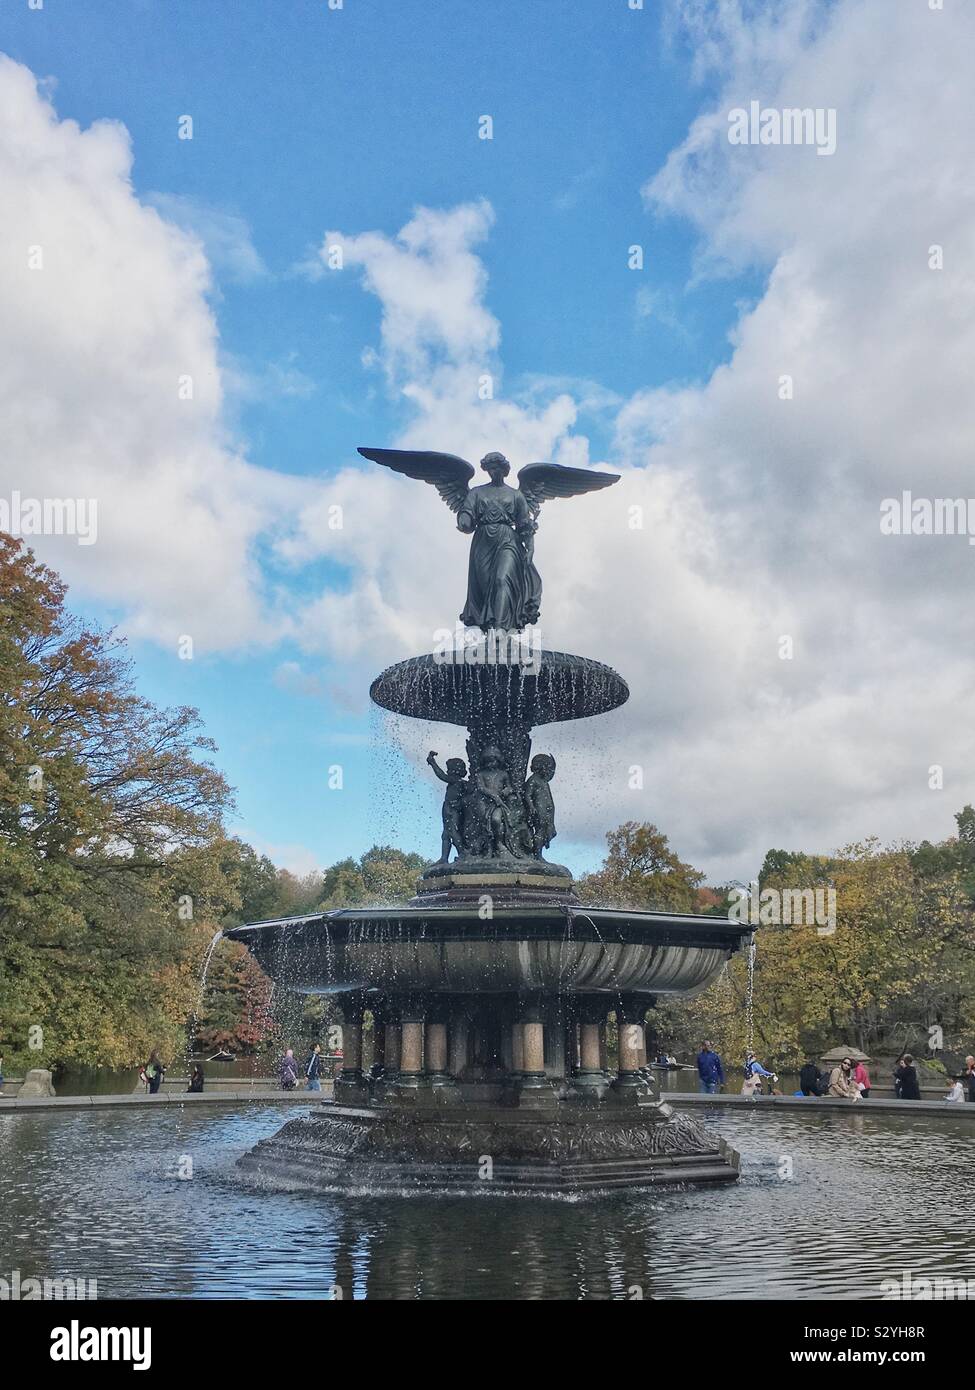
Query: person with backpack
[809, 1079]
[755, 1073]
[313, 1069]
[288, 1071]
[153, 1072]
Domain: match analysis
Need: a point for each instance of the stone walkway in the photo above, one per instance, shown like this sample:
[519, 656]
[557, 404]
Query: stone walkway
[963, 1110]
[252, 1096]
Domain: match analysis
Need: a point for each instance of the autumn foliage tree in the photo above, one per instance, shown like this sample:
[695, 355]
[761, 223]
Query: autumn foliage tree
[112, 851]
[641, 870]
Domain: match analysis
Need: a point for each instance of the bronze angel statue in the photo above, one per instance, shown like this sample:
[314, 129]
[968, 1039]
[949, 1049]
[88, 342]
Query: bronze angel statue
[504, 590]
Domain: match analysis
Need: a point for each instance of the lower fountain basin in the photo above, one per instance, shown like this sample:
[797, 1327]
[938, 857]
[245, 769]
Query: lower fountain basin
[384, 1150]
[553, 948]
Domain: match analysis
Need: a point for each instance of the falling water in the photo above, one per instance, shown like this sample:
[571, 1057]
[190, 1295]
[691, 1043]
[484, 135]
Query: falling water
[195, 1016]
[750, 998]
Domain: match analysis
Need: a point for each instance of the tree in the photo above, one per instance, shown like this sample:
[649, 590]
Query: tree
[111, 839]
[383, 877]
[641, 870]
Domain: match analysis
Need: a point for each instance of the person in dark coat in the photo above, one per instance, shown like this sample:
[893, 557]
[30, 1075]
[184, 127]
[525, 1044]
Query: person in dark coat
[897, 1076]
[709, 1070]
[906, 1082]
[196, 1081]
[968, 1079]
[313, 1069]
[809, 1083]
[154, 1071]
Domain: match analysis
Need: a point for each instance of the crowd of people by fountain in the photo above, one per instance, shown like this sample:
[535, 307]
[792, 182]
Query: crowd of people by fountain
[849, 1079]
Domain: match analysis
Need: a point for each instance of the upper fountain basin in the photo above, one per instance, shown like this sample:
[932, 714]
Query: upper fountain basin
[544, 690]
[553, 948]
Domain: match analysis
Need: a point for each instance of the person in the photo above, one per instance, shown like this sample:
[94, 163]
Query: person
[809, 1083]
[897, 1076]
[969, 1076]
[288, 1071]
[709, 1070]
[313, 1069]
[956, 1091]
[1, 1073]
[754, 1071]
[842, 1083]
[154, 1071]
[862, 1078]
[908, 1089]
[196, 1081]
[752, 1085]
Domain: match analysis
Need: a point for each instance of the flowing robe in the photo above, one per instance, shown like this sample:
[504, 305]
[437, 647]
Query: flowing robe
[503, 587]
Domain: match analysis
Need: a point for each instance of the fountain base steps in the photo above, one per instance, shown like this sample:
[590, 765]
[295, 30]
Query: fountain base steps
[558, 1152]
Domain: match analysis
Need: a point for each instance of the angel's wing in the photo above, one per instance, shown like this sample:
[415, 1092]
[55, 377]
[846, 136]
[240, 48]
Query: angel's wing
[539, 482]
[449, 474]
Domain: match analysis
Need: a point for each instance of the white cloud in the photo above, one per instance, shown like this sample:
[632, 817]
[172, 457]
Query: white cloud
[94, 348]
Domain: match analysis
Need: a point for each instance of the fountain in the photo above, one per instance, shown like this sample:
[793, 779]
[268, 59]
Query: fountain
[489, 991]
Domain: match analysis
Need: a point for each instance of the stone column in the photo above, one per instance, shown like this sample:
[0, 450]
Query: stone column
[534, 1047]
[630, 1013]
[411, 1076]
[589, 1075]
[349, 1082]
[534, 1087]
[436, 1049]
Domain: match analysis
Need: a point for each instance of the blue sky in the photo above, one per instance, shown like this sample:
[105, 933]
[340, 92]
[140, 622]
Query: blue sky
[608, 131]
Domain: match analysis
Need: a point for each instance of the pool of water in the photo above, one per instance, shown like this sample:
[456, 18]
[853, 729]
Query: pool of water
[828, 1206]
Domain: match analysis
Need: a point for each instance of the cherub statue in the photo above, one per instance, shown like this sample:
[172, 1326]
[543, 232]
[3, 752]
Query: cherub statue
[538, 800]
[504, 590]
[487, 808]
[455, 775]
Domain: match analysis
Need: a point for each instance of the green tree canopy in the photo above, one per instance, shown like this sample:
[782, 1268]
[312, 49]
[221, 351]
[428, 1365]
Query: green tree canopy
[111, 839]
